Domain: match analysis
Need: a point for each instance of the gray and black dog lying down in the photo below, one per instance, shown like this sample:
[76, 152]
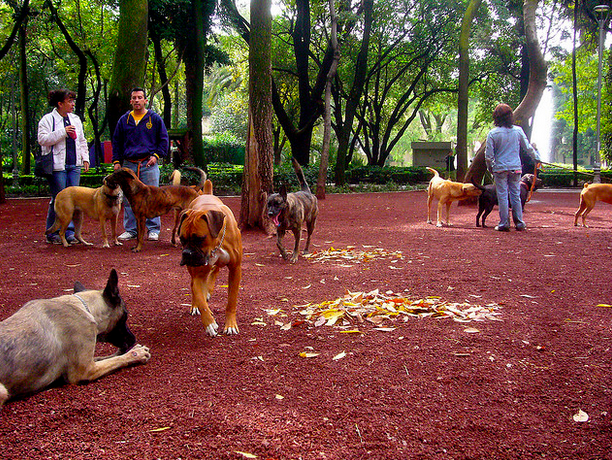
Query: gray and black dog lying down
[48, 340]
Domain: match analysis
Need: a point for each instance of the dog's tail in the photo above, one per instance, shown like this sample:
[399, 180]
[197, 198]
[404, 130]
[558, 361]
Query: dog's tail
[477, 185]
[207, 188]
[200, 185]
[433, 171]
[175, 177]
[300, 175]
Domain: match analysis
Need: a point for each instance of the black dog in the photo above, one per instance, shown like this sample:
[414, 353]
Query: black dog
[488, 199]
[289, 211]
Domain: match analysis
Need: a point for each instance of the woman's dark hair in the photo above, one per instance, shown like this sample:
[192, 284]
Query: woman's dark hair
[59, 95]
[503, 116]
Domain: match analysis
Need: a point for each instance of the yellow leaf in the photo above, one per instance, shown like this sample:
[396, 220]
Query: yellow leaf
[471, 330]
[581, 416]
[245, 454]
[279, 397]
[157, 430]
[604, 305]
[352, 331]
[306, 354]
[339, 356]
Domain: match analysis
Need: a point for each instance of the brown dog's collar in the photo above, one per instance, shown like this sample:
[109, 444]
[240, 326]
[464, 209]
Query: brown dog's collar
[111, 197]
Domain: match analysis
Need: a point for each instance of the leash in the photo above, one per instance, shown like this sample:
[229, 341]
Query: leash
[535, 178]
[83, 302]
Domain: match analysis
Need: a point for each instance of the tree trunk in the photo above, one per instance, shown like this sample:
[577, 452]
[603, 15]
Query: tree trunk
[575, 99]
[20, 18]
[257, 177]
[322, 179]
[25, 98]
[130, 57]
[345, 128]
[163, 76]
[537, 85]
[463, 98]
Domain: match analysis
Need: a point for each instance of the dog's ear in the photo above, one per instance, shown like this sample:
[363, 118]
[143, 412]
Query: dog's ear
[111, 291]
[283, 191]
[215, 222]
[182, 218]
[78, 287]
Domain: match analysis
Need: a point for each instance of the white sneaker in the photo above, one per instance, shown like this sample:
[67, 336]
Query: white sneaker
[127, 236]
[153, 236]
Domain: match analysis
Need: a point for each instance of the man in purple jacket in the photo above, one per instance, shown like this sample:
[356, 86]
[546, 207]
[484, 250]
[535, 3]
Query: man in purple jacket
[139, 141]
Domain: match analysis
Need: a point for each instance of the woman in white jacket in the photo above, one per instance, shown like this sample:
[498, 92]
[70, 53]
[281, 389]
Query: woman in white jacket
[61, 132]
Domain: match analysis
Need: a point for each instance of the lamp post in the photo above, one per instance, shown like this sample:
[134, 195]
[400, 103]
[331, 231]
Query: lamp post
[602, 13]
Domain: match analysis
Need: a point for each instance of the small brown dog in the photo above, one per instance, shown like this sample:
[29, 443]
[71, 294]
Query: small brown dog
[289, 211]
[102, 204]
[149, 201]
[211, 240]
[446, 191]
[590, 194]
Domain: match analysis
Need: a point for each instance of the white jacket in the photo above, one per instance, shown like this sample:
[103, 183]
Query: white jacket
[48, 138]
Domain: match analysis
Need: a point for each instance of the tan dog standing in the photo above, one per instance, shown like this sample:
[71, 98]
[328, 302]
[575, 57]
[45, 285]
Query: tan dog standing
[590, 194]
[50, 339]
[211, 240]
[149, 201]
[446, 191]
[102, 204]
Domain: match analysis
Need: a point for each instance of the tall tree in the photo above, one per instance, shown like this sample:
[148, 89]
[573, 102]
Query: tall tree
[322, 179]
[537, 84]
[130, 57]
[257, 177]
[463, 97]
[344, 124]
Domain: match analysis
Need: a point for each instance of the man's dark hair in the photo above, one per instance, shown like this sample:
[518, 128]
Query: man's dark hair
[59, 95]
[138, 88]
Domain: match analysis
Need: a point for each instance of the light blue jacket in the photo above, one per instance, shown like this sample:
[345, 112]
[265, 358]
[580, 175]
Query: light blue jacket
[503, 149]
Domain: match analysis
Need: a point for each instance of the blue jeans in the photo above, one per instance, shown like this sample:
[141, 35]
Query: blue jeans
[58, 182]
[150, 176]
[508, 185]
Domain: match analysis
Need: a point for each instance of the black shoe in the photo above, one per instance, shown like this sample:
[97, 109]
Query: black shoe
[54, 239]
[521, 227]
[500, 228]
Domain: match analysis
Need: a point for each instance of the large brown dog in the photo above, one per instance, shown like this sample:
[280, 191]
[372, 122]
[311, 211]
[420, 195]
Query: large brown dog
[590, 194]
[50, 339]
[211, 240]
[289, 211]
[446, 191]
[149, 201]
[102, 204]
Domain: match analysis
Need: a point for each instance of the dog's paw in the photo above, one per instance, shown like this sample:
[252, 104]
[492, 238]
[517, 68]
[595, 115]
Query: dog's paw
[439, 224]
[231, 330]
[430, 222]
[212, 329]
[106, 245]
[139, 354]
[195, 311]
[118, 243]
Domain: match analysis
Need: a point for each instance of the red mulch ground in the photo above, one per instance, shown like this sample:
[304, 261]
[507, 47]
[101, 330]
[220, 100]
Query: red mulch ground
[426, 390]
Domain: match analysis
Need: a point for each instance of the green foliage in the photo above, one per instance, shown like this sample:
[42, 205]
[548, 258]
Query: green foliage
[224, 148]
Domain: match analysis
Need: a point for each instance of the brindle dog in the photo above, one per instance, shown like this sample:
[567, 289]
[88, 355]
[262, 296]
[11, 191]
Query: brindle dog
[289, 211]
[149, 201]
[50, 339]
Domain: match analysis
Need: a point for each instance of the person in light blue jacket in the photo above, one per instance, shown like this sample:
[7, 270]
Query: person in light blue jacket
[502, 155]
